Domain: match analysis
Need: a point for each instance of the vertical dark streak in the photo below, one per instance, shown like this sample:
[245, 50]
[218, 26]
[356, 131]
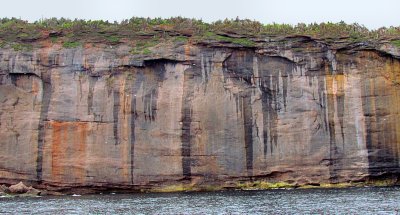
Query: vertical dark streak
[285, 86]
[92, 83]
[116, 108]
[134, 115]
[146, 103]
[46, 96]
[321, 89]
[332, 139]
[340, 111]
[381, 156]
[14, 79]
[248, 132]
[266, 109]
[369, 124]
[186, 114]
[274, 114]
[153, 107]
[366, 111]
[340, 96]
[133, 137]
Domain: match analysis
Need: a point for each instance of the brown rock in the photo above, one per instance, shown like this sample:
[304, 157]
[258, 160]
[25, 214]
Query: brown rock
[289, 110]
[19, 188]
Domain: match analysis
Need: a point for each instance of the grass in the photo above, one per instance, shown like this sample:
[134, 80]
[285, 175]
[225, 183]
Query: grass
[396, 42]
[180, 39]
[71, 44]
[146, 51]
[53, 39]
[142, 47]
[21, 47]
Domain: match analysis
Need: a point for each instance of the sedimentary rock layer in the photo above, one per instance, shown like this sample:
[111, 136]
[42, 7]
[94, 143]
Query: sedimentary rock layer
[296, 110]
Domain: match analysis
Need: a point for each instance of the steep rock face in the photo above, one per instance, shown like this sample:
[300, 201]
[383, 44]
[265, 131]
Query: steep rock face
[300, 112]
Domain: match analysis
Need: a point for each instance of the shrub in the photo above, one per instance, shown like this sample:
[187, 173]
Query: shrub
[113, 39]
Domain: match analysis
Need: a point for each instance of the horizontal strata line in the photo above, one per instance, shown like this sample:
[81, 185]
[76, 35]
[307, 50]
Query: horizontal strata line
[77, 121]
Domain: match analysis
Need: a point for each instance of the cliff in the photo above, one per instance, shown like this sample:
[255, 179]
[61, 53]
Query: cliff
[198, 114]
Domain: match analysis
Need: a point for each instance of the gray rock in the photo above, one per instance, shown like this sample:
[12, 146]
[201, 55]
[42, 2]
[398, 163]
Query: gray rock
[4, 189]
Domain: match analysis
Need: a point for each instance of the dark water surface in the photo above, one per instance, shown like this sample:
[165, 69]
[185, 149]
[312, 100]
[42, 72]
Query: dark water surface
[311, 201]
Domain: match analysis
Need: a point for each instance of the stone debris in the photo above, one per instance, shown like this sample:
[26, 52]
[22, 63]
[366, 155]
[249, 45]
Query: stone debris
[19, 190]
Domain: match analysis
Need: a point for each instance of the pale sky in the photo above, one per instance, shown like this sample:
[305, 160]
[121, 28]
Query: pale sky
[371, 13]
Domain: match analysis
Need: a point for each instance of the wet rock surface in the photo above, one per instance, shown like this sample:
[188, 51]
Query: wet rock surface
[293, 110]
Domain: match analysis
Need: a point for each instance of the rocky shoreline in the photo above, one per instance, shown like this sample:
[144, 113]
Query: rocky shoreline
[22, 190]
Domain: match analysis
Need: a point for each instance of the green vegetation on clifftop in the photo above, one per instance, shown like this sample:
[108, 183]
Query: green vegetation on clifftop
[144, 33]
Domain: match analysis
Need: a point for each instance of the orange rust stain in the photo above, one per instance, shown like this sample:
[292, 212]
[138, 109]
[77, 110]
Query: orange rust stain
[329, 84]
[56, 153]
[68, 150]
[187, 51]
[80, 145]
[125, 146]
[340, 84]
[87, 45]
[35, 87]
